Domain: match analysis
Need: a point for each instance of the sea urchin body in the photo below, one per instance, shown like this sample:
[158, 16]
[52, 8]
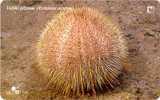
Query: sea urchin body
[81, 50]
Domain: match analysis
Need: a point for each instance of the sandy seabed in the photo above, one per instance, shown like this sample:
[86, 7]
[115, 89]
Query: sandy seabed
[139, 21]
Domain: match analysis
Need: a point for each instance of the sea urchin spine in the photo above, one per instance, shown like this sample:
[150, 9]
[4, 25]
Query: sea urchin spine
[81, 50]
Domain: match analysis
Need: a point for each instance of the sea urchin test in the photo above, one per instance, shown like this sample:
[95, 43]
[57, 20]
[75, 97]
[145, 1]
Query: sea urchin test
[81, 50]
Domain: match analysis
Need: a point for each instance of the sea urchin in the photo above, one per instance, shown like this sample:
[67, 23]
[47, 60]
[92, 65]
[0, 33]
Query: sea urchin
[81, 50]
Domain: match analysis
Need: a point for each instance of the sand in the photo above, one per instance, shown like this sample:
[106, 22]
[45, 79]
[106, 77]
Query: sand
[20, 30]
